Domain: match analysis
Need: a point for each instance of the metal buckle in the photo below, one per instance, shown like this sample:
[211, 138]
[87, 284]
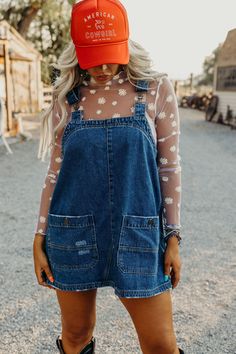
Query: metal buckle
[76, 105]
[140, 96]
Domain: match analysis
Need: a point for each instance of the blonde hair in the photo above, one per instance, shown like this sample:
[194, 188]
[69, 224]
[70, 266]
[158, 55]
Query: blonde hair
[71, 75]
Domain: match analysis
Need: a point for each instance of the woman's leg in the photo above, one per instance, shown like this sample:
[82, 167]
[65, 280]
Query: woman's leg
[152, 318]
[78, 318]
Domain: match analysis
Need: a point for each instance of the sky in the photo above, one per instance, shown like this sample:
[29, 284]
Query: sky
[179, 34]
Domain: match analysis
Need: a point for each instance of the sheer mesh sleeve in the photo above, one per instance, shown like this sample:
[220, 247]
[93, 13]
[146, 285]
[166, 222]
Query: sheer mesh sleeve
[51, 175]
[167, 124]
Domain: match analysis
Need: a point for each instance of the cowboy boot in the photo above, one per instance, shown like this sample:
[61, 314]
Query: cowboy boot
[181, 351]
[88, 348]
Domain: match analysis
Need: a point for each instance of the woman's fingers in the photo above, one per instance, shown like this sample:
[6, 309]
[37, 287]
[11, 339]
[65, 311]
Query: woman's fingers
[172, 267]
[40, 274]
[167, 265]
[175, 274]
[48, 272]
[41, 265]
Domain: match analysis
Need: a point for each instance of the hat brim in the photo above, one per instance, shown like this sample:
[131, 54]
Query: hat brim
[88, 57]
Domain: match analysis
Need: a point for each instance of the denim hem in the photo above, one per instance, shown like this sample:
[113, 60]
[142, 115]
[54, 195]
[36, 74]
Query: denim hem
[119, 292]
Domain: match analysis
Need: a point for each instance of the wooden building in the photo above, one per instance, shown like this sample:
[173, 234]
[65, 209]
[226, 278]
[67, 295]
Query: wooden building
[225, 74]
[20, 77]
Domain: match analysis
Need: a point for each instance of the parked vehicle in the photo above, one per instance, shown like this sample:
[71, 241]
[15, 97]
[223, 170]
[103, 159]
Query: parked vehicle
[195, 101]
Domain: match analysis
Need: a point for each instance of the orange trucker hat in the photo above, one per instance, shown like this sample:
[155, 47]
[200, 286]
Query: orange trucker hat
[100, 32]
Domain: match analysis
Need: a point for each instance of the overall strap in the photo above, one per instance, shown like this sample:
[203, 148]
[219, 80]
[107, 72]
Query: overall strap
[73, 96]
[140, 106]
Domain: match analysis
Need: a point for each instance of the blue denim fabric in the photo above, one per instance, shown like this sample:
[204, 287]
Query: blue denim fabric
[105, 225]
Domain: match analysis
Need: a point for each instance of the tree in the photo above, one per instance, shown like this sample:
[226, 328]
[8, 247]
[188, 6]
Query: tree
[20, 14]
[208, 67]
[44, 23]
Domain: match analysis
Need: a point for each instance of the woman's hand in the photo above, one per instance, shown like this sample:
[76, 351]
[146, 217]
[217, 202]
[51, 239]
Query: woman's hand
[172, 259]
[41, 262]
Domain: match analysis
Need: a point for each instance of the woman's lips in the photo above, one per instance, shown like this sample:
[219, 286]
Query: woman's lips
[102, 77]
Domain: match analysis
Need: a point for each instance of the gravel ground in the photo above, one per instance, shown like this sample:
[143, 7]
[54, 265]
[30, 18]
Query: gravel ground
[204, 302]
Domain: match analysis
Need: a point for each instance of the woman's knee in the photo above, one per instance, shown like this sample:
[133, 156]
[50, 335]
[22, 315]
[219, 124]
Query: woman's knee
[162, 345]
[80, 333]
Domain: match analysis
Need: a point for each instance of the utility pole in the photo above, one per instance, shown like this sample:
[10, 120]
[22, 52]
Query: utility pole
[191, 82]
[5, 43]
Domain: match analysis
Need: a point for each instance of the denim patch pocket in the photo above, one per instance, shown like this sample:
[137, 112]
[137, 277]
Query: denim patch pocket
[71, 241]
[139, 245]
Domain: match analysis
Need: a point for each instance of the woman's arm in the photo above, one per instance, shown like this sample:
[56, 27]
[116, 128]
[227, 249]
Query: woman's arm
[167, 123]
[51, 176]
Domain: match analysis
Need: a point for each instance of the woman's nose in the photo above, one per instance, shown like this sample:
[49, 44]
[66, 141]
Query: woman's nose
[104, 67]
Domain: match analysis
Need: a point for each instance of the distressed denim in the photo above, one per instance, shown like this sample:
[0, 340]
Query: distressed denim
[105, 223]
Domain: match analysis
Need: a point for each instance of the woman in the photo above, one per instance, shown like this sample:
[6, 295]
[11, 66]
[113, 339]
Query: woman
[110, 206]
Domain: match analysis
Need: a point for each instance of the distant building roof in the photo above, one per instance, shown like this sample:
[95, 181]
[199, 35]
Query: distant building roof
[227, 53]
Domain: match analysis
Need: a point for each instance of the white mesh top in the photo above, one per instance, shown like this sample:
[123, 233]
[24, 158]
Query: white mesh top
[114, 99]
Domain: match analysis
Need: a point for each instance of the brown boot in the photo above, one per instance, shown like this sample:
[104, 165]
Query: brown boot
[88, 349]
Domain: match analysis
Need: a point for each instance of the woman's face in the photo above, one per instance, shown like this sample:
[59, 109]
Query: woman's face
[103, 73]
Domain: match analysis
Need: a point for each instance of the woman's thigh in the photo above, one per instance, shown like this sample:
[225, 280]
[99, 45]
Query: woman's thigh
[78, 309]
[152, 318]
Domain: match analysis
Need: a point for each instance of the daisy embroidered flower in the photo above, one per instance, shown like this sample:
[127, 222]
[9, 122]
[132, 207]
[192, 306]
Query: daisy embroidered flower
[174, 123]
[81, 108]
[44, 186]
[58, 172]
[163, 160]
[172, 148]
[40, 231]
[109, 83]
[101, 100]
[114, 103]
[169, 200]
[178, 169]
[92, 92]
[116, 77]
[121, 81]
[165, 179]
[52, 175]
[132, 109]
[42, 219]
[153, 93]
[161, 140]
[116, 115]
[52, 181]
[58, 159]
[151, 106]
[99, 111]
[122, 92]
[178, 189]
[107, 88]
[83, 99]
[172, 115]
[162, 115]
[169, 98]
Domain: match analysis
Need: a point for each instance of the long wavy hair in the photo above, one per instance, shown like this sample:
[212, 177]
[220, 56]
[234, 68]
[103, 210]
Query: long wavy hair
[71, 75]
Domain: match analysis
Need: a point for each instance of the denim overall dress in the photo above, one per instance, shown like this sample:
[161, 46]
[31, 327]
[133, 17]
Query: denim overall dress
[105, 218]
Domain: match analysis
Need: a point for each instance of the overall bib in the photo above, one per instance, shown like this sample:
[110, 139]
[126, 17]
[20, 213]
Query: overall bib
[105, 218]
